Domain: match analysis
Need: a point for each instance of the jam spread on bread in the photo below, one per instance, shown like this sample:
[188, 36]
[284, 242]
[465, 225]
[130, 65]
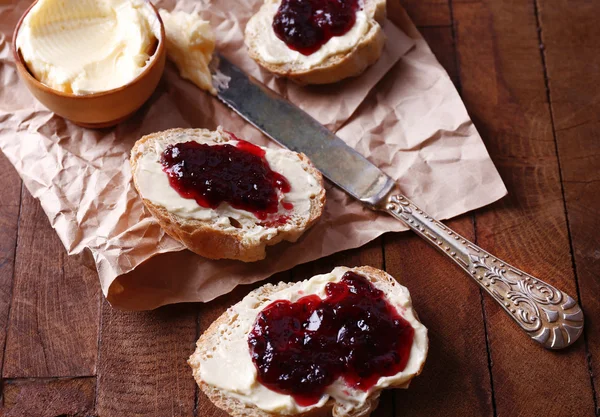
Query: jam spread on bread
[239, 175]
[354, 333]
[306, 25]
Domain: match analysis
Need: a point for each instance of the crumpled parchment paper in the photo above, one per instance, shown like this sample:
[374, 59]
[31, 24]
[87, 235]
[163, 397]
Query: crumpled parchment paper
[404, 114]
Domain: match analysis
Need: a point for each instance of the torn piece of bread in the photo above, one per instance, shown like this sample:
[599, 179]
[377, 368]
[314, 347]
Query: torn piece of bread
[224, 369]
[225, 232]
[190, 45]
[340, 57]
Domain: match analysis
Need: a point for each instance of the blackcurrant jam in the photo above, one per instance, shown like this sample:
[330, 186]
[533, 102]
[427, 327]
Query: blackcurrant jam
[239, 175]
[306, 25]
[354, 333]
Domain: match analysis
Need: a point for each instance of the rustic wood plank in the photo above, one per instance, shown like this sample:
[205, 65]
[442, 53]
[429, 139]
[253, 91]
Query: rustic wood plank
[142, 369]
[10, 184]
[503, 87]
[371, 254]
[571, 71]
[428, 12]
[53, 323]
[386, 407]
[448, 303]
[49, 397]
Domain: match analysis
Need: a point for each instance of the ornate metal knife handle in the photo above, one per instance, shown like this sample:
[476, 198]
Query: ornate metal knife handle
[548, 315]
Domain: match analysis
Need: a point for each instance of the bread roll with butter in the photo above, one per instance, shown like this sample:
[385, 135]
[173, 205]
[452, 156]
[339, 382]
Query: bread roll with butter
[217, 229]
[340, 57]
[224, 363]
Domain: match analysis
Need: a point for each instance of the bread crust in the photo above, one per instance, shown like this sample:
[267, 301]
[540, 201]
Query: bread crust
[336, 67]
[237, 408]
[211, 242]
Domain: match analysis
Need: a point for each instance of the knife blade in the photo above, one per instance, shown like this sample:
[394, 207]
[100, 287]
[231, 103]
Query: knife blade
[295, 129]
[521, 295]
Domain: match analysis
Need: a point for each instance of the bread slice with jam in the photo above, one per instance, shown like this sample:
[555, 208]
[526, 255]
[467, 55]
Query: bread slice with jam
[326, 346]
[281, 38]
[223, 197]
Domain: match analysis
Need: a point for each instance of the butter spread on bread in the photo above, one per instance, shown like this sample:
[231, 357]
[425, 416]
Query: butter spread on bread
[226, 232]
[224, 369]
[273, 50]
[339, 57]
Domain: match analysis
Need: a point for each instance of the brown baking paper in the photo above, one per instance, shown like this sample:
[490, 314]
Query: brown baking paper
[412, 124]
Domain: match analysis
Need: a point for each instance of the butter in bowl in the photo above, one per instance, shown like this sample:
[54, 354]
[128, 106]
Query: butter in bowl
[94, 62]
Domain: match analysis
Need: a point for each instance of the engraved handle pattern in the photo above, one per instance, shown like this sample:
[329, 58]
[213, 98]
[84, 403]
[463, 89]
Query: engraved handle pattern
[548, 315]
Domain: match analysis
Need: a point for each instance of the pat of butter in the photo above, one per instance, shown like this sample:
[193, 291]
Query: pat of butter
[190, 45]
[88, 46]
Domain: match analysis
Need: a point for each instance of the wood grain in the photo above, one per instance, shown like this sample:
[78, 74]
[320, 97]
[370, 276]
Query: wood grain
[53, 323]
[142, 369]
[10, 184]
[428, 12]
[571, 72]
[48, 397]
[371, 254]
[387, 406]
[503, 87]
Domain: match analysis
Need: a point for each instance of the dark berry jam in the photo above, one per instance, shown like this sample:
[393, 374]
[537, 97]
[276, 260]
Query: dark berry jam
[354, 333]
[239, 175]
[306, 25]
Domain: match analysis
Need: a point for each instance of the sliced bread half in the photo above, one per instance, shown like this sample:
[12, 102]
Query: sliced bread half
[223, 368]
[338, 58]
[225, 232]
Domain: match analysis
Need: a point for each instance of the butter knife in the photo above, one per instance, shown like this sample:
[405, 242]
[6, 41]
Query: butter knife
[549, 316]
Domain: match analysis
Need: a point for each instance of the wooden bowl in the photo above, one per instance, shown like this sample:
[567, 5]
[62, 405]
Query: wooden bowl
[102, 109]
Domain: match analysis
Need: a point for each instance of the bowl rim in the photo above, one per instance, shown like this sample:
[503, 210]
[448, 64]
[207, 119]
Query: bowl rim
[20, 62]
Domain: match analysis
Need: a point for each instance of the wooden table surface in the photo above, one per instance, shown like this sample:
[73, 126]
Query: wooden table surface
[529, 73]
